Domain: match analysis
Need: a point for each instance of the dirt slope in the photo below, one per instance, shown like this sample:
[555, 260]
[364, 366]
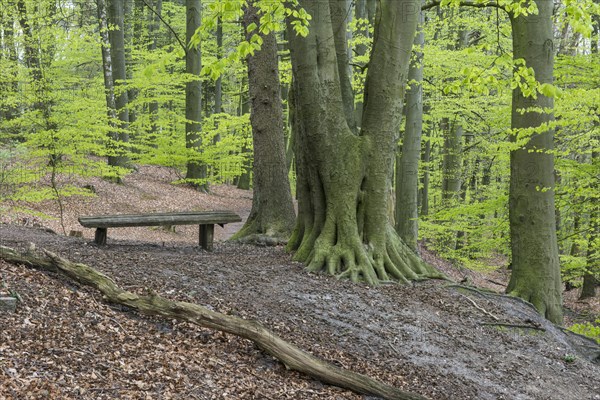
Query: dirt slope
[63, 342]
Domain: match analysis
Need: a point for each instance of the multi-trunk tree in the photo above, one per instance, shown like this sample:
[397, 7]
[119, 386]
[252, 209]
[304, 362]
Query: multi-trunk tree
[343, 177]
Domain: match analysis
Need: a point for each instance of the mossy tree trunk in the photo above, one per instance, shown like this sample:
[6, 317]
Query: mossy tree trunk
[196, 171]
[343, 178]
[272, 215]
[536, 271]
[407, 162]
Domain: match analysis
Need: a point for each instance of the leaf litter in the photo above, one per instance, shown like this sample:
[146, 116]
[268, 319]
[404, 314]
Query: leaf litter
[64, 342]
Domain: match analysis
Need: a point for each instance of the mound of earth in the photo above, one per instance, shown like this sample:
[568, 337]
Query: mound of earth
[440, 340]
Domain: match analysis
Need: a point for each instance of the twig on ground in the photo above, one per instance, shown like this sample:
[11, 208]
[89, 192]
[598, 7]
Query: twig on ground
[480, 308]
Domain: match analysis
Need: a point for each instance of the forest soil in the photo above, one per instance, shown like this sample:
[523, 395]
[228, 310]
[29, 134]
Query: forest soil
[432, 338]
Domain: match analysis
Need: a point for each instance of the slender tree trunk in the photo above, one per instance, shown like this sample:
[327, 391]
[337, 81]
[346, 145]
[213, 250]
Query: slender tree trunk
[590, 280]
[153, 31]
[452, 163]
[425, 160]
[38, 62]
[116, 37]
[111, 106]
[9, 52]
[536, 271]
[407, 163]
[344, 179]
[196, 169]
[219, 82]
[244, 108]
[272, 215]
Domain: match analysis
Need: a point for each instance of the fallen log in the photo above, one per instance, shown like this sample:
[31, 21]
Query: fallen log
[291, 356]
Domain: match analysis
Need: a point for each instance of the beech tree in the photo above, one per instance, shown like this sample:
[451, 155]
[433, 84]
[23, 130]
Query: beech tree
[407, 162]
[344, 178]
[196, 172]
[116, 36]
[535, 265]
[272, 213]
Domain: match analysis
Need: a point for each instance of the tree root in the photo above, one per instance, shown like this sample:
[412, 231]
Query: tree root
[345, 256]
[291, 356]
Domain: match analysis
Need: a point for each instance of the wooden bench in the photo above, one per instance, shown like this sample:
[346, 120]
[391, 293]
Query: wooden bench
[205, 219]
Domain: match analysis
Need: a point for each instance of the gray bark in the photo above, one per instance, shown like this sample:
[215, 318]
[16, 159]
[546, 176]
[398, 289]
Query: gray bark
[219, 82]
[452, 165]
[153, 31]
[339, 13]
[111, 106]
[407, 163]
[116, 37]
[196, 170]
[536, 271]
[272, 215]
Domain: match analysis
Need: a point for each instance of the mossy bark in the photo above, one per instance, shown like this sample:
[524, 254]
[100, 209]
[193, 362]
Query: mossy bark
[344, 179]
[272, 216]
[536, 271]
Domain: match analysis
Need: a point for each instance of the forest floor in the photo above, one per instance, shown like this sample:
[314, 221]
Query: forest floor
[440, 340]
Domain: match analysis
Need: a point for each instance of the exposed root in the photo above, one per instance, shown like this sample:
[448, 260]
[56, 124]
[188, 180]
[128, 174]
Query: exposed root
[346, 257]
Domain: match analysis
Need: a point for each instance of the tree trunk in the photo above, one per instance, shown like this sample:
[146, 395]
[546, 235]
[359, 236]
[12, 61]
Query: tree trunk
[339, 13]
[116, 37]
[344, 179]
[535, 266]
[196, 170]
[153, 30]
[407, 163]
[218, 83]
[272, 215]
[590, 280]
[452, 162]
[8, 110]
[111, 106]
[425, 159]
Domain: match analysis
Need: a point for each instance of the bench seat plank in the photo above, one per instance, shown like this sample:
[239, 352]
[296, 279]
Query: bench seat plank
[157, 219]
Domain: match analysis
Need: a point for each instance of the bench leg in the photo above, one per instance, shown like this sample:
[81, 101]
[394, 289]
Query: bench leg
[100, 237]
[207, 233]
